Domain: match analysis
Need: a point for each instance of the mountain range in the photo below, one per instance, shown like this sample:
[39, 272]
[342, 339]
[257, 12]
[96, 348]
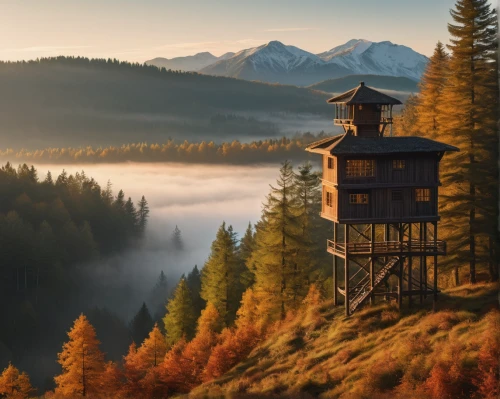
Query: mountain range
[276, 62]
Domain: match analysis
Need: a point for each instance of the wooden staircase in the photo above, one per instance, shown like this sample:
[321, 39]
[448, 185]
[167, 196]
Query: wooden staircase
[363, 290]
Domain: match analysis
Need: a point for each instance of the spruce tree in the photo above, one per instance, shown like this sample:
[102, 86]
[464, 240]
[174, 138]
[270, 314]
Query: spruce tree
[193, 281]
[158, 296]
[180, 320]
[177, 242]
[469, 113]
[247, 245]
[141, 324]
[431, 87]
[142, 214]
[219, 277]
[277, 242]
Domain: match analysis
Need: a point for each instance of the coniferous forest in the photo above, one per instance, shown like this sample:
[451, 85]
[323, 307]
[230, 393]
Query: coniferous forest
[253, 318]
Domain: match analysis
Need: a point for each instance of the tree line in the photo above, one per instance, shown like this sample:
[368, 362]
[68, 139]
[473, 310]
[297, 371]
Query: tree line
[235, 152]
[459, 104]
[49, 229]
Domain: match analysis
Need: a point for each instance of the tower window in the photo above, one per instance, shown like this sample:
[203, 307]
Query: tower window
[329, 199]
[360, 168]
[398, 164]
[397, 195]
[423, 194]
[331, 163]
[358, 198]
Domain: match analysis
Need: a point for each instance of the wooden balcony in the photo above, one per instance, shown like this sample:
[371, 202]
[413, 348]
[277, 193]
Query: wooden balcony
[388, 248]
[346, 121]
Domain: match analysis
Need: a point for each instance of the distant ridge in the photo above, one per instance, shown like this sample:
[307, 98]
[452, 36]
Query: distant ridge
[345, 83]
[191, 63]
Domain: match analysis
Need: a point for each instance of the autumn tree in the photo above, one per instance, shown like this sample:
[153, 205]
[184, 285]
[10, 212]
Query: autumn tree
[277, 243]
[220, 284]
[175, 367]
[133, 372]
[153, 349]
[405, 124]
[111, 381]
[469, 114]
[81, 360]
[13, 384]
[431, 87]
[180, 318]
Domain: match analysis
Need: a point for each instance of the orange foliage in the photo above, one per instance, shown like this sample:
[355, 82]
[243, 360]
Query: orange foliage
[175, 367]
[111, 381]
[14, 385]
[152, 350]
[81, 360]
[487, 379]
[132, 372]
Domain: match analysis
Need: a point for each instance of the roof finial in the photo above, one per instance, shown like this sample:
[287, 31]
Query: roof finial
[361, 83]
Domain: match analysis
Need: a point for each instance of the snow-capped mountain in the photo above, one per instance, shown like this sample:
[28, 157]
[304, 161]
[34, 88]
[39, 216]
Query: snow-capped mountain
[276, 62]
[189, 63]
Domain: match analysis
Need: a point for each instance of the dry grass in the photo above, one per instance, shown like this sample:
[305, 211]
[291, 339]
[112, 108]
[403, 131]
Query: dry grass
[376, 353]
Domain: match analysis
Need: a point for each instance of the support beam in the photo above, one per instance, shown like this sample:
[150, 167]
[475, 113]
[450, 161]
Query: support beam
[401, 269]
[410, 271]
[346, 267]
[335, 273]
[434, 302]
[372, 264]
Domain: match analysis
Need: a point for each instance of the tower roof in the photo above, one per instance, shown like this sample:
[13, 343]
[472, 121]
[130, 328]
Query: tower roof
[364, 95]
[347, 144]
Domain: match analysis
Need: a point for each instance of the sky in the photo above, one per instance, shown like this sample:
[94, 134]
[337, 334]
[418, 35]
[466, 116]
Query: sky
[136, 31]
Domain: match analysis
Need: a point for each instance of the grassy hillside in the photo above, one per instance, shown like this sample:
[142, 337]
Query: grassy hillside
[76, 101]
[376, 353]
[345, 83]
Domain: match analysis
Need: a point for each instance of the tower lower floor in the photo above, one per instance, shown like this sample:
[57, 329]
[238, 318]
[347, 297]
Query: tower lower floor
[392, 261]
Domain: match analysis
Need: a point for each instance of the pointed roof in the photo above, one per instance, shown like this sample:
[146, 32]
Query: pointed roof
[364, 95]
[347, 144]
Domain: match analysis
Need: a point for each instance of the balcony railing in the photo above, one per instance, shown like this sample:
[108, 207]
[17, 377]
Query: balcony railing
[347, 121]
[388, 247]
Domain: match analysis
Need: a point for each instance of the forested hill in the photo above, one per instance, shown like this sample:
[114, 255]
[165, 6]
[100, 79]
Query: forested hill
[76, 101]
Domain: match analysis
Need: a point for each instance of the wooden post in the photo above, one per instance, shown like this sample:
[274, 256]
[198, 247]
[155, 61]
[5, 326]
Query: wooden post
[434, 302]
[372, 264]
[346, 267]
[423, 273]
[335, 281]
[421, 238]
[401, 270]
[410, 259]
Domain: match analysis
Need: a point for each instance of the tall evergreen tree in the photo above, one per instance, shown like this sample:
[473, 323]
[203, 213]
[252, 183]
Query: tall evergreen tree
[469, 113]
[141, 324]
[193, 281]
[431, 87]
[219, 277]
[247, 245]
[158, 296]
[142, 213]
[81, 360]
[180, 320]
[177, 242]
[277, 242]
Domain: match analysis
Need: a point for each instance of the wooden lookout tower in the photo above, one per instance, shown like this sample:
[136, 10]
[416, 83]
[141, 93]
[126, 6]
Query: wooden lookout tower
[381, 193]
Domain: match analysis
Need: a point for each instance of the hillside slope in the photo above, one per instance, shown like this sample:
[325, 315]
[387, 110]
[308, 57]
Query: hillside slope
[339, 85]
[76, 101]
[376, 353]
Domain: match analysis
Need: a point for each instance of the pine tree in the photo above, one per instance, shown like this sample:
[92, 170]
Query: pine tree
[143, 214]
[153, 349]
[107, 194]
[431, 87]
[14, 384]
[141, 324]
[247, 245]
[111, 381]
[180, 320]
[48, 178]
[133, 373]
[131, 215]
[177, 242]
[277, 241]
[219, 277]
[81, 360]
[193, 281]
[119, 202]
[406, 123]
[158, 296]
[469, 113]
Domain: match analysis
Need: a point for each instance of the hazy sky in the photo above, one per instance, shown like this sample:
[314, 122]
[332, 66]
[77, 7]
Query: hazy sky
[139, 30]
